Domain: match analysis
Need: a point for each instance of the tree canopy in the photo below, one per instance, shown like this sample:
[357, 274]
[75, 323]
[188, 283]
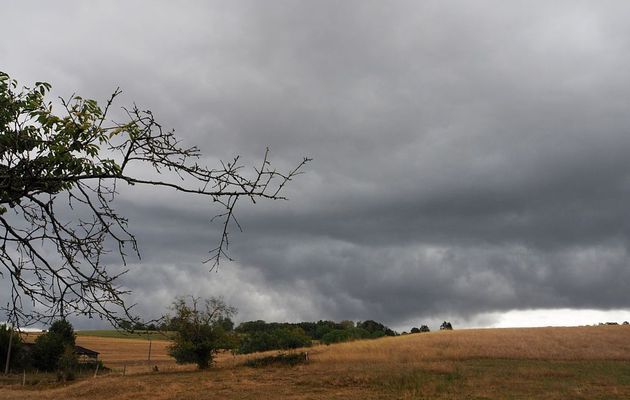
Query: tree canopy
[59, 177]
[199, 329]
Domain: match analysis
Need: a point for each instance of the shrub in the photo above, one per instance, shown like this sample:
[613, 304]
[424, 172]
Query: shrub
[68, 364]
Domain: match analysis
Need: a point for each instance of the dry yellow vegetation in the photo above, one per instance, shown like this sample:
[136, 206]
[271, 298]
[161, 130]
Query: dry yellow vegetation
[541, 363]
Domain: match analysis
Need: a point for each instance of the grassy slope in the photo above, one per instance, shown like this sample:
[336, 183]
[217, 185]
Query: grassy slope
[544, 363]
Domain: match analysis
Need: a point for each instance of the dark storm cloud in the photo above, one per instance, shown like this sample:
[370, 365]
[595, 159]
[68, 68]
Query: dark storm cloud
[469, 157]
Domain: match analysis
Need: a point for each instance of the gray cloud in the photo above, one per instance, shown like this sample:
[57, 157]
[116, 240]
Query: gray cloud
[469, 158]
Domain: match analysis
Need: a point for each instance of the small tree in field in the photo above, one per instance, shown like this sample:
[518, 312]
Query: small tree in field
[199, 329]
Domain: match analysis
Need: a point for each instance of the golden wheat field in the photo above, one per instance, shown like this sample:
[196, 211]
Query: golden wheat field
[536, 363]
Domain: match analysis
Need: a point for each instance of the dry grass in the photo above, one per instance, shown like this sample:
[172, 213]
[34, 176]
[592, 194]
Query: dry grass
[583, 343]
[544, 363]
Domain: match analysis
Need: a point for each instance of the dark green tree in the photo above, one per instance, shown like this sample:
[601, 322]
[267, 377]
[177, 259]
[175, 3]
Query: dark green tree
[253, 326]
[376, 329]
[64, 330]
[323, 327]
[280, 338]
[52, 346]
[59, 174]
[226, 323]
[198, 332]
[446, 326]
[46, 351]
[17, 359]
[345, 335]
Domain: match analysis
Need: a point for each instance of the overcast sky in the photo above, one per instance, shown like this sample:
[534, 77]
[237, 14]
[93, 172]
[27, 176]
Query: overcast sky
[471, 158]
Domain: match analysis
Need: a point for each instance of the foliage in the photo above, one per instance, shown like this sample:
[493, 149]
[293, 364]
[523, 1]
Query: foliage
[17, 354]
[262, 336]
[376, 329]
[336, 336]
[423, 328]
[54, 350]
[446, 326]
[199, 333]
[257, 342]
[347, 324]
[281, 338]
[254, 326]
[226, 323]
[323, 327]
[68, 364]
[46, 351]
[64, 330]
[60, 173]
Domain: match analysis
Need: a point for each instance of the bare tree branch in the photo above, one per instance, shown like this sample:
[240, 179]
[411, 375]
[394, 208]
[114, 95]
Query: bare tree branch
[58, 182]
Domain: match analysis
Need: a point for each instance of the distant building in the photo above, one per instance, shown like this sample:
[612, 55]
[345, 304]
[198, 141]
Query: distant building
[86, 355]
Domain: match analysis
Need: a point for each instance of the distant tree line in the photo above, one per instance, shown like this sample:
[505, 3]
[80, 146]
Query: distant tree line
[262, 336]
[422, 329]
[132, 326]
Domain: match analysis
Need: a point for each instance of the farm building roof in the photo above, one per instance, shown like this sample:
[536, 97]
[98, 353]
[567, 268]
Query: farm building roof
[82, 351]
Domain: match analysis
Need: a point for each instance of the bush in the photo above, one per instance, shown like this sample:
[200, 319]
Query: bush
[68, 364]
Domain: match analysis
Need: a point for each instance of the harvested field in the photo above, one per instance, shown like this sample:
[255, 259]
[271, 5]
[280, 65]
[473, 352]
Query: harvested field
[542, 363]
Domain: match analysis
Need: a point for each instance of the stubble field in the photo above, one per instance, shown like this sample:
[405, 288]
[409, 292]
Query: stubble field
[541, 363]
